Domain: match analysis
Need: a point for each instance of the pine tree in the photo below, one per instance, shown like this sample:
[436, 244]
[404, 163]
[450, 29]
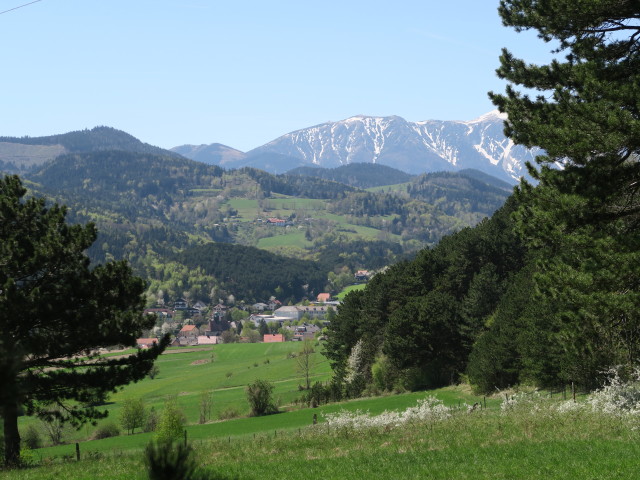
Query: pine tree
[584, 216]
[56, 312]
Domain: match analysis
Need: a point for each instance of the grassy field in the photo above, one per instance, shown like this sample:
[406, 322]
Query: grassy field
[539, 439]
[398, 187]
[225, 370]
[294, 238]
[542, 442]
[350, 288]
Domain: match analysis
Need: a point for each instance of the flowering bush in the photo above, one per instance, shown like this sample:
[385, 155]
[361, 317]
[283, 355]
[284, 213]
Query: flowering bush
[618, 397]
[529, 401]
[429, 409]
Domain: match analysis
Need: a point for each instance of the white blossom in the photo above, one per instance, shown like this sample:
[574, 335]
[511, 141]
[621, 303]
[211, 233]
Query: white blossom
[429, 409]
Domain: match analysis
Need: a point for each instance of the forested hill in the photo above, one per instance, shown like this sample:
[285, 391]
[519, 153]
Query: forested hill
[450, 190]
[19, 154]
[486, 178]
[360, 175]
[309, 187]
[418, 322]
[115, 172]
[255, 275]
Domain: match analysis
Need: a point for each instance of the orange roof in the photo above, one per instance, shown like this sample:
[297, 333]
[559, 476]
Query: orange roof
[323, 297]
[188, 328]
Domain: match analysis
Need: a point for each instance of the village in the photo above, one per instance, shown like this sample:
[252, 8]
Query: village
[201, 324]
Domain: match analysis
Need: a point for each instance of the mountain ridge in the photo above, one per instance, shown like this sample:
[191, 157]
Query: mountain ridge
[413, 147]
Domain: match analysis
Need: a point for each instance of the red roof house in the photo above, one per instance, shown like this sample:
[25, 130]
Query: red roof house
[273, 338]
[146, 342]
[324, 297]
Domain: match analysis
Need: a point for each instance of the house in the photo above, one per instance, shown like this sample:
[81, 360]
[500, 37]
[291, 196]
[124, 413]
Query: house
[180, 304]
[273, 338]
[200, 306]
[146, 342]
[296, 312]
[260, 307]
[218, 311]
[278, 222]
[257, 319]
[188, 335]
[362, 276]
[208, 340]
[324, 297]
[275, 303]
[305, 332]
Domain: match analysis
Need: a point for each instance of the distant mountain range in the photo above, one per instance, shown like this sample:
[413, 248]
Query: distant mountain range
[413, 147]
[149, 204]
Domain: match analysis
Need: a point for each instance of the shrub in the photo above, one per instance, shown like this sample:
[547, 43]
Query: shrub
[171, 422]
[383, 373]
[152, 420]
[133, 414]
[31, 438]
[153, 373]
[428, 410]
[53, 425]
[206, 402]
[317, 395]
[259, 395]
[27, 457]
[106, 430]
[175, 460]
[169, 460]
[228, 413]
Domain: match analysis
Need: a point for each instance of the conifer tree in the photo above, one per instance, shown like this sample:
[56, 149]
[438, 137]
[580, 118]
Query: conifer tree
[56, 312]
[584, 215]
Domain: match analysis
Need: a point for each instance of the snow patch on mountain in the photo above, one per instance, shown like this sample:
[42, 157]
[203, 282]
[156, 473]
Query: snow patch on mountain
[415, 147]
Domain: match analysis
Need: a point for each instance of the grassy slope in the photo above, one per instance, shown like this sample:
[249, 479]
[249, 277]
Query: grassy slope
[189, 374]
[283, 207]
[350, 288]
[484, 444]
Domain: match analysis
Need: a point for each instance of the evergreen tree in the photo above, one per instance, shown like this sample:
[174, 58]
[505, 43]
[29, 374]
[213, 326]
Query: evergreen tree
[583, 218]
[56, 312]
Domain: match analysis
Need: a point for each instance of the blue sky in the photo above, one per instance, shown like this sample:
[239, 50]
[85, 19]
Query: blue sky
[241, 73]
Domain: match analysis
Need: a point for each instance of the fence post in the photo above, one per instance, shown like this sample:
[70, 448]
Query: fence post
[315, 418]
[185, 437]
[78, 452]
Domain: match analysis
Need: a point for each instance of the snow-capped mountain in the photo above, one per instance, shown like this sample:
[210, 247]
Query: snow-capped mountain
[415, 147]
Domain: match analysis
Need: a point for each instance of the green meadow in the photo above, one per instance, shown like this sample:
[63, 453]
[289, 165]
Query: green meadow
[294, 238]
[224, 370]
[478, 443]
[350, 288]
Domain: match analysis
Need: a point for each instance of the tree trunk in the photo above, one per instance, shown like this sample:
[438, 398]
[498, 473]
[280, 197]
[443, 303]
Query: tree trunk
[11, 434]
